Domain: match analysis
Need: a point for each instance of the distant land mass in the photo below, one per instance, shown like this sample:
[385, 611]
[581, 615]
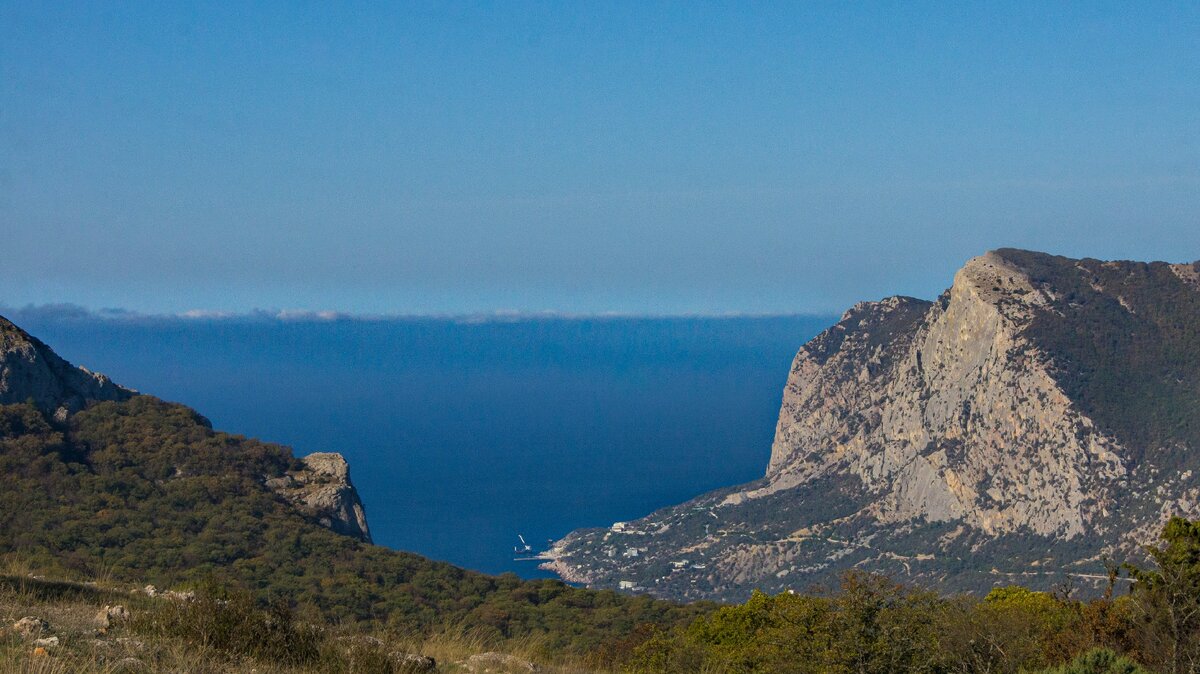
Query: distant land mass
[1039, 416]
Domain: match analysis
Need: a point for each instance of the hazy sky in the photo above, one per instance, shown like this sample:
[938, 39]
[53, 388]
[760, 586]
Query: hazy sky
[581, 156]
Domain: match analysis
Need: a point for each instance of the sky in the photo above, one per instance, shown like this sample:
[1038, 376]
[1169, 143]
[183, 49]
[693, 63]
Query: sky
[582, 157]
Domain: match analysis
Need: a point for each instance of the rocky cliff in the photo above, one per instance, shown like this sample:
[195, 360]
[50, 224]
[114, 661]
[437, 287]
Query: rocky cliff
[31, 371]
[322, 488]
[1039, 415]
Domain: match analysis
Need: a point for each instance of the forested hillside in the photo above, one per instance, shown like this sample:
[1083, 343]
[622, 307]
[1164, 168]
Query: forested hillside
[145, 491]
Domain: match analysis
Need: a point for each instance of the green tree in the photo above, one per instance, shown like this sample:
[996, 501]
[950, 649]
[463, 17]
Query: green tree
[881, 626]
[1168, 598]
[1098, 661]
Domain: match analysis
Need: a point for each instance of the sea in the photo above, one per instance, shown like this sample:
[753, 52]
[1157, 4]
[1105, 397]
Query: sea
[464, 433]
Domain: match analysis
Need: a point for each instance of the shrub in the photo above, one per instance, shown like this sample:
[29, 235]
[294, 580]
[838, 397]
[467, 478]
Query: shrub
[1099, 661]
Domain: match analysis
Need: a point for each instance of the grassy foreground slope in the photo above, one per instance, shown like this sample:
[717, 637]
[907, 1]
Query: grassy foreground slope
[61, 627]
[870, 625]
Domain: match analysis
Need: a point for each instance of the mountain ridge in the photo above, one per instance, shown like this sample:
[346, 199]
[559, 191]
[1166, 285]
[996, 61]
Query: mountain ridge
[318, 486]
[30, 370]
[934, 440]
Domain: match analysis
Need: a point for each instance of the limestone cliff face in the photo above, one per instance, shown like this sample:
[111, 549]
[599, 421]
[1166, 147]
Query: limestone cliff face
[965, 441]
[957, 419]
[30, 370]
[322, 489]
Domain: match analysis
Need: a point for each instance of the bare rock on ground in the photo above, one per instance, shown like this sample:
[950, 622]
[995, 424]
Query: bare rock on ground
[31, 627]
[497, 663]
[413, 662]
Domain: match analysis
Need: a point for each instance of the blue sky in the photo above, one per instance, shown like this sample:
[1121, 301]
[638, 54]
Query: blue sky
[581, 157]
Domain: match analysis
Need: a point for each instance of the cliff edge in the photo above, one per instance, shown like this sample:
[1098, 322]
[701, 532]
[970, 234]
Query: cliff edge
[1039, 415]
[322, 488]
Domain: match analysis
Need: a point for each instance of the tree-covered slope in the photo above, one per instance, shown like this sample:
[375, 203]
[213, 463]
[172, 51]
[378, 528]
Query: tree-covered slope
[1124, 340]
[102, 482]
[143, 489]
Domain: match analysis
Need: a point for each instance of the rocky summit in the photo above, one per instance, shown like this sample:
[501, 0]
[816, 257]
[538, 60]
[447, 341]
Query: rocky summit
[1042, 415]
[31, 371]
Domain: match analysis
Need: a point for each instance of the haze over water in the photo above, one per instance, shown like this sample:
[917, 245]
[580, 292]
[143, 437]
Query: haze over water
[462, 434]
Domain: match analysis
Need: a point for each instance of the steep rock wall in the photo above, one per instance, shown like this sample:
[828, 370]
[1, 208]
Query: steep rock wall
[1036, 417]
[956, 419]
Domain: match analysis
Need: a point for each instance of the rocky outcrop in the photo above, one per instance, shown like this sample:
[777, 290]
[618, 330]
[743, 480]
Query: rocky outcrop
[111, 615]
[30, 370]
[413, 662]
[322, 489]
[988, 436]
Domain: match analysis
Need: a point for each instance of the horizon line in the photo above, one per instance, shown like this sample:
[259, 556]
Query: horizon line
[66, 311]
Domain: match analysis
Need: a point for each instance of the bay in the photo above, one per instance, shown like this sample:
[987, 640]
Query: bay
[463, 433]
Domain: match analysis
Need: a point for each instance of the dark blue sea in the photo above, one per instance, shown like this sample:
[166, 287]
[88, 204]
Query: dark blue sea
[462, 434]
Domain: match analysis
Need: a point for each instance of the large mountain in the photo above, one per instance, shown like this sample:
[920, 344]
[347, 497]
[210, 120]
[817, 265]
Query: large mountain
[1043, 413]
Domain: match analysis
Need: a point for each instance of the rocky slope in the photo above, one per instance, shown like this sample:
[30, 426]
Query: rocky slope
[31, 371]
[1037, 416]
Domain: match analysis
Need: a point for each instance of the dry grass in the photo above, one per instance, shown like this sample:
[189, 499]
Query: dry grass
[13, 565]
[457, 644]
[71, 610]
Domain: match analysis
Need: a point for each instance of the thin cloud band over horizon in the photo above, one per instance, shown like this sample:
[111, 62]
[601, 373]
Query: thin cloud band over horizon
[75, 312]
